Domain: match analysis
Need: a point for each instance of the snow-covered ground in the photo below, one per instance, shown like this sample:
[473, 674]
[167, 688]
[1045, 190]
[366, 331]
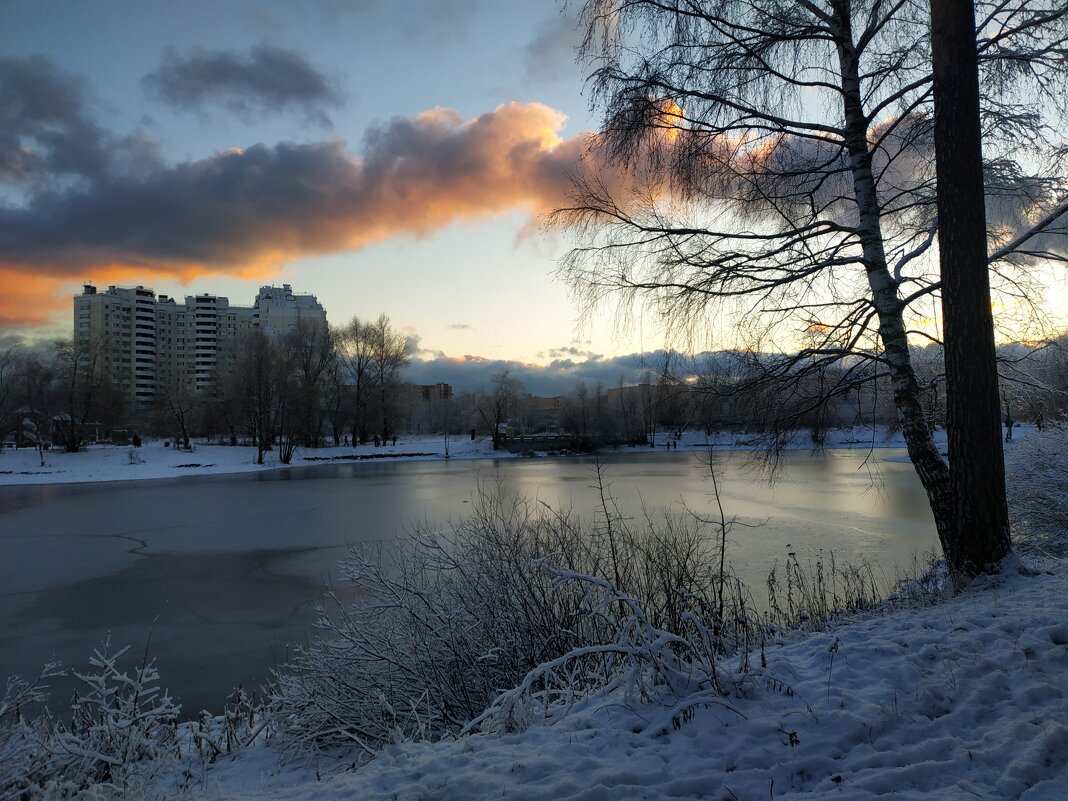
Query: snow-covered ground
[153, 460]
[965, 699]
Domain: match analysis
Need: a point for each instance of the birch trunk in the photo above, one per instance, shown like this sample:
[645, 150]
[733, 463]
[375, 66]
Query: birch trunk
[931, 467]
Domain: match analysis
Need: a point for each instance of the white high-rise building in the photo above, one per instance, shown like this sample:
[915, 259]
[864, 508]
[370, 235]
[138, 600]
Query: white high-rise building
[278, 310]
[144, 343]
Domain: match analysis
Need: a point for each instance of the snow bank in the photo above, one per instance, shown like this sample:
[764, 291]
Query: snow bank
[153, 460]
[963, 700]
[1036, 473]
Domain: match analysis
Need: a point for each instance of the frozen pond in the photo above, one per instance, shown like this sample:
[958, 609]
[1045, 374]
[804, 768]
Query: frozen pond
[228, 566]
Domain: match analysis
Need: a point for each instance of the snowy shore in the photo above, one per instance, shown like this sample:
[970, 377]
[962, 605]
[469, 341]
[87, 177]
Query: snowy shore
[965, 699]
[153, 460]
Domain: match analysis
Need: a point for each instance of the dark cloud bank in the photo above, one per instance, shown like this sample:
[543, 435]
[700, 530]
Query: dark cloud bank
[266, 80]
[77, 199]
[50, 141]
[559, 377]
[89, 201]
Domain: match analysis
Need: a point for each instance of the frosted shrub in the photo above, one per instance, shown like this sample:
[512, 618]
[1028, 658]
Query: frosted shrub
[122, 725]
[441, 622]
[121, 735]
[434, 628]
[647, 663]
[23, 761]
[424, 636]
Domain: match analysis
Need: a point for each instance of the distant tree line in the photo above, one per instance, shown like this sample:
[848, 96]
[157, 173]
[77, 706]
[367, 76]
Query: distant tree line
[322, 385]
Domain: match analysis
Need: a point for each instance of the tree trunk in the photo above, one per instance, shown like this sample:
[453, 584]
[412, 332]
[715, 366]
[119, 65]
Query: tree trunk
[929, 464]
[979, 533]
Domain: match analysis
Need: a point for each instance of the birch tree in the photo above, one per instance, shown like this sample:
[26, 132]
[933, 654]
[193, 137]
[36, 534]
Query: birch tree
[495, 406]
[780, 175]
[355, 351]
[310, 349]
[389, 356]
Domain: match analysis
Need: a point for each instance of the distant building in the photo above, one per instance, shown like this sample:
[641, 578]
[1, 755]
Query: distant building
[145, 343]
[431, 392]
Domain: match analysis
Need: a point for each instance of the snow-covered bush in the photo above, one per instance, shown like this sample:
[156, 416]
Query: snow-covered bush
[646, 663]
[120, 738]
[241, 722]
[431, 630]
[122, 725]
[23, 761]
[425, 634]
[1036, 472]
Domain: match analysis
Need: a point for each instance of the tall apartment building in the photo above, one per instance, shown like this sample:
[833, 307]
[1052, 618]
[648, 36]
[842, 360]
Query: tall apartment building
[145, 343]
[430, 392]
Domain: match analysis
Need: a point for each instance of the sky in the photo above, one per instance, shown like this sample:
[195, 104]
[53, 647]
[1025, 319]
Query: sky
[386, 157]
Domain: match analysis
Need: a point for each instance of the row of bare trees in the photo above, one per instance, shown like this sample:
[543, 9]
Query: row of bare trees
[313, 385]
[301, 387]
[743, 393]
[57, 393]
[317, 386]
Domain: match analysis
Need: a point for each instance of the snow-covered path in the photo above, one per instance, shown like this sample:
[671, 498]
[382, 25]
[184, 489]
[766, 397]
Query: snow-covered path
[962, 700]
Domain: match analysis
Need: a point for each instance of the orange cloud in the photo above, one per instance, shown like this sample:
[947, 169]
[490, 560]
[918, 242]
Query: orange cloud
[265, 204]
[39, 300]
[29, 301]
[245, 212]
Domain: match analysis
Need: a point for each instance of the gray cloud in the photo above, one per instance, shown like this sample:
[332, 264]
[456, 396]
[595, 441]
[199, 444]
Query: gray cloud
[249, 210]
[205, 212]
[572, 352]
[550, 55]
[413, 346]
[46, 131]
[560, 377]
[266, 80]
[50, 141]
[460, 327]
[436, 22]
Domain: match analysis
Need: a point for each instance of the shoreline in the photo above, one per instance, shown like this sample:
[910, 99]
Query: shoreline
[108, 463]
